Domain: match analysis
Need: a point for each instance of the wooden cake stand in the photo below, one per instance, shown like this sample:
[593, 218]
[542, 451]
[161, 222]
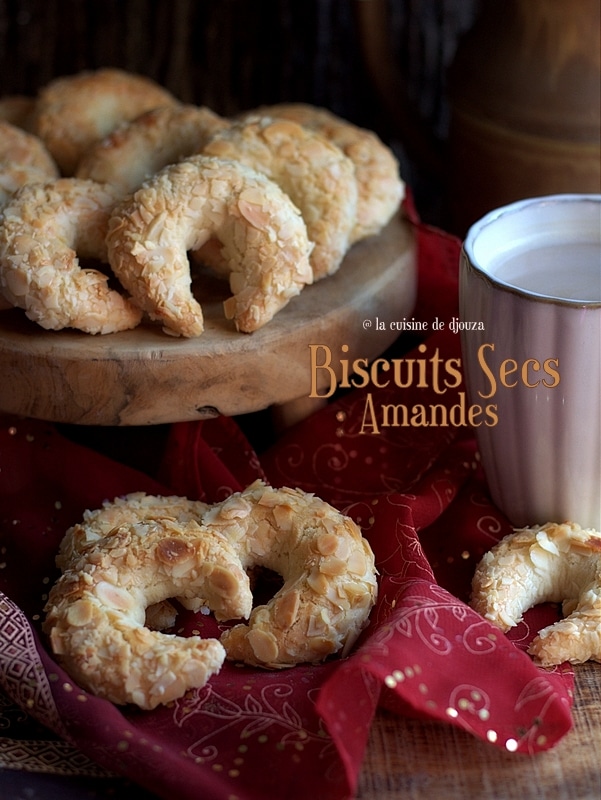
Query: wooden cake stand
[145, 377]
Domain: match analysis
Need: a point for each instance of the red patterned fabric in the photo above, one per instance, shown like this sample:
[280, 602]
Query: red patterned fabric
[420, 498]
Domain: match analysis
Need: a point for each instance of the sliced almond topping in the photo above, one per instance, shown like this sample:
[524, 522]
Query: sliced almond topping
[547, 543]
[172, 551]
[357, 593]
[332, 566]
[283, 516]
[224, 581]
[286, 609]
[357, 563]
[317, 626]
[327, 543]
[318, 582]
[541, 558]
[114, 596]
[236, 507]
[264, 645]
[253, 213]
[81, 613]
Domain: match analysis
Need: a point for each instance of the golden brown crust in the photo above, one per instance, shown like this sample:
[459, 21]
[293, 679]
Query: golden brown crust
[139, 148]
[96, 610]
[298, 187]
[328, 570]
[128, 510]
[263, 242]
[380, 186]
[314, 173]
[74, 111]
[130, 556]
[45, 228]
[558, 563]
[23, 159]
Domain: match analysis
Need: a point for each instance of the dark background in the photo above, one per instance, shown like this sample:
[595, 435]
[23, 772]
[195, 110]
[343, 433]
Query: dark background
[235, 54]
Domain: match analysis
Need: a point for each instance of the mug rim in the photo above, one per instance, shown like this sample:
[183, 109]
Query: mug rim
[468, 246]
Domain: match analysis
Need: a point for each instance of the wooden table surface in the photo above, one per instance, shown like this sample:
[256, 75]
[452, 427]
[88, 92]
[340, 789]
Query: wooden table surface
[416, 760]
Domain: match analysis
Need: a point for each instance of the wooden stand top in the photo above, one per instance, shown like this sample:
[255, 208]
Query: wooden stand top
[146, 377]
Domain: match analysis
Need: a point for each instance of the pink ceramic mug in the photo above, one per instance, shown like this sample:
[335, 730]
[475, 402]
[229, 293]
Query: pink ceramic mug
[530, 284]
